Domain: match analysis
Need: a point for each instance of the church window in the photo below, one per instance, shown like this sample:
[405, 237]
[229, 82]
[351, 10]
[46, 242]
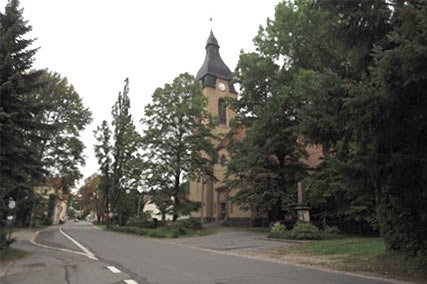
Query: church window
[222, 114]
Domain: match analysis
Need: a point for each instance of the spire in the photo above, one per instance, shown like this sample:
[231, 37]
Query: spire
[213, 67]
[212, 41]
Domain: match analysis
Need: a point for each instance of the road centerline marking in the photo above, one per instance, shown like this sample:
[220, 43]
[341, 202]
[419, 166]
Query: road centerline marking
[87, 252]
[130, 281]
[113, 269]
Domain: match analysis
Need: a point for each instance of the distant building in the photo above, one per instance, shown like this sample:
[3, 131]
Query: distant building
[151, 208]
[53, 201]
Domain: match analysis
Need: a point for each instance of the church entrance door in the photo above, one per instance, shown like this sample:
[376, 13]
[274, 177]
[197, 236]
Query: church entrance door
[223, 210]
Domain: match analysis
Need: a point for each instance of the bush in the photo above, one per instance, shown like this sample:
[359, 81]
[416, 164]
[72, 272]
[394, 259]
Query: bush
[305, 231]
[130, 230]
[277, 228]
[194, 224]
[157, 234]
[142, 221]
[332, 230]
[178, 227]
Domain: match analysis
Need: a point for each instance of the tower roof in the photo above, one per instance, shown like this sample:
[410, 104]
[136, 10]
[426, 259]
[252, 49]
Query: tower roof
[213, 67]
[213, 64]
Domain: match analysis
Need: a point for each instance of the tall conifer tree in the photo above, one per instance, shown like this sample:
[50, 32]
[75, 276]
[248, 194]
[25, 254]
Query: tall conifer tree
[119, 159]
[19, 162]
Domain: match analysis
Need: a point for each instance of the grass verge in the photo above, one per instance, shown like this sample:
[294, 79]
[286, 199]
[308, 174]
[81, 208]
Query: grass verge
[162, 232]
[102, 226]
[257, 229]
[366, 255]
[11, 254]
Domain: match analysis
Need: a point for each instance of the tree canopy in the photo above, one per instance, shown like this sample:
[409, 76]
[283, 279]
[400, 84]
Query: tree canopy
[177, 139]
[41, 117]
[351, 76]
[64, 118]
[118, 156]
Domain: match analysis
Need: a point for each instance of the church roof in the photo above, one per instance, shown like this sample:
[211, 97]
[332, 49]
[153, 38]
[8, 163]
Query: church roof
[213, 64]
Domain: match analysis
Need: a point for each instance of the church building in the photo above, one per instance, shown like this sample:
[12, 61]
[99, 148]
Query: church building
[214, 196]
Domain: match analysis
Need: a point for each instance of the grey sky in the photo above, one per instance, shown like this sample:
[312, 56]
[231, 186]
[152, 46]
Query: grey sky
[96, 44]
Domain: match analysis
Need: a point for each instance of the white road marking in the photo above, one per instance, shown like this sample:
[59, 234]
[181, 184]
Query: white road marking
[113, 269]
[87, 252]
[33, 241]
[130, 281]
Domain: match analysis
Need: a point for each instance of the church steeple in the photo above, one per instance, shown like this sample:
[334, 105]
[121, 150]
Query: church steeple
[213, 67]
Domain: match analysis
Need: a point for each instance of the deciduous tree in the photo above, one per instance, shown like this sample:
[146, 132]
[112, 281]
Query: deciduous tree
[63, 118]
[177, 138]
[120, 162]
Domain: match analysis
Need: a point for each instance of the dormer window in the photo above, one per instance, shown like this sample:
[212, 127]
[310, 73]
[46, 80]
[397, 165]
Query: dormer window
[222, 111]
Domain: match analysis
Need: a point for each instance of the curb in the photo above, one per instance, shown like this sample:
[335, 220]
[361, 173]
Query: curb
[281, 240]
[8, 265]
[34, 242]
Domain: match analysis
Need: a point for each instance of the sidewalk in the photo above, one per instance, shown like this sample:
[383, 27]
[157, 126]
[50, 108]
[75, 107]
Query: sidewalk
[34, 261]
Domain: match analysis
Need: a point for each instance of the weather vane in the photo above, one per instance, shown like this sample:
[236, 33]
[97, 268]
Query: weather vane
[210, 21]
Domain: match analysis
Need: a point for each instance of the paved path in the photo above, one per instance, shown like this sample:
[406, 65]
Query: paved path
[229, 240]
[205, 260]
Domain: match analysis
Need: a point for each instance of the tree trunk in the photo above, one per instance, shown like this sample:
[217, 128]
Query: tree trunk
[175, 206]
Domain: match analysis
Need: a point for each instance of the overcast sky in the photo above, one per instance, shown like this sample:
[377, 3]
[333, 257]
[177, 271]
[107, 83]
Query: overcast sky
[96, 44]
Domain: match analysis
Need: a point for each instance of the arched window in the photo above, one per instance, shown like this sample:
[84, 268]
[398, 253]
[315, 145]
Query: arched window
[222, 111]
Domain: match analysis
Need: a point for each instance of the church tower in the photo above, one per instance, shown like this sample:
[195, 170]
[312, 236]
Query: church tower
[217, 87]
[215, 77]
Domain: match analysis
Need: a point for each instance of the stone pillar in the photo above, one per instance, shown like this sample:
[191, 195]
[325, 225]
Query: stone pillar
[303, 210]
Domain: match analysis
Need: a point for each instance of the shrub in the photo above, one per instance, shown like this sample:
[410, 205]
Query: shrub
[277, 228]
[332, 230]
[142, 221]
[194, 224]
[305, 231]
[157, 234]
[178, 227]
[130, 230]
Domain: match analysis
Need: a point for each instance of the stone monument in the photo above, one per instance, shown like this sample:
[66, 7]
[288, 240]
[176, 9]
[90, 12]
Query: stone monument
[303, 210]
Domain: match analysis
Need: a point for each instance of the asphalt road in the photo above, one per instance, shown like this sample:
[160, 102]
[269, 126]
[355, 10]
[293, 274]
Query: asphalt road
[148, 261]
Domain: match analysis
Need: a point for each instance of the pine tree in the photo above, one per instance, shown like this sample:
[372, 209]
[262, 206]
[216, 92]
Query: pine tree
[20, 164]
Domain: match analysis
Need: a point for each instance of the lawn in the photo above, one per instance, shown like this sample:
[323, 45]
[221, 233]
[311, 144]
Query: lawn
[358, 254]
[11, 254]
[102, 226]
[257, 229]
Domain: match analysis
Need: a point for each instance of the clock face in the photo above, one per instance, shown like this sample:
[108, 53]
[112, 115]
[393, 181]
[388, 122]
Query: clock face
[221, 86]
